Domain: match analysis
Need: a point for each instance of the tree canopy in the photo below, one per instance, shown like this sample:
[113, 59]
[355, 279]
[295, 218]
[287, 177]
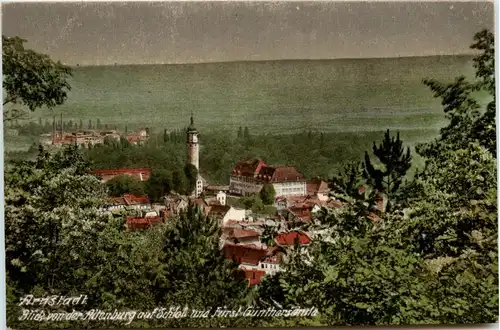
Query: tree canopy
[30, 79]
[267, 194]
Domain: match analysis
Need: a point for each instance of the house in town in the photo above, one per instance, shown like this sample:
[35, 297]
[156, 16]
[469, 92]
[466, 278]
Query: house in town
[318, 188]
[134, 223]
[300, 208]
[205, 207]
[219, 199]
[256, 262]
[291, 238]
[137, 202]
[142, 174]
[235, 235]
[127, 202]
[254, 276]
[175, 203]
[138, 137]
[226, 213]
[271, 264]
[115, 204]
[248, 177]
[246, 256]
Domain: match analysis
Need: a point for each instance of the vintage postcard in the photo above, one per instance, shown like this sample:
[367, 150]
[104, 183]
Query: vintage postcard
[249, 164]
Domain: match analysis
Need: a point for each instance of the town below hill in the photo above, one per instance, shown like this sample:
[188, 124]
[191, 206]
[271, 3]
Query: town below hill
[255, 236]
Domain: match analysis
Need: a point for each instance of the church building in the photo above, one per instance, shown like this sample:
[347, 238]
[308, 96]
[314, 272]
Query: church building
[193, 156]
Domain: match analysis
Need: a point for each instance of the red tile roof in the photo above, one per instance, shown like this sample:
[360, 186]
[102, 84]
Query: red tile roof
[316, 186]
[254, 276]
[248, 168]
[142, 223]
[257, 169]
[302, 212]
[240, 233]
[243, 254]
[279, 174]
[141, 173]
[135, 199]
[288, 239]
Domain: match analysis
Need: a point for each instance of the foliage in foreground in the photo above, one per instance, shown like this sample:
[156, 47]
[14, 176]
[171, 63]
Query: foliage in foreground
[433, 258]
[59, 243]
[30, 79]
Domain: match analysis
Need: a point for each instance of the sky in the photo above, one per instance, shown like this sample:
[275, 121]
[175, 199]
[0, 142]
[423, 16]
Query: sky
[97, 33]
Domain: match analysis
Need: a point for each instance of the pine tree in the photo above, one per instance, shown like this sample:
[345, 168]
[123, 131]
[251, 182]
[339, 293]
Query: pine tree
[349, 181]
[80, 126]
[90, 124]
[396, 162]
[98, 125]
[165, 136]
[240, 132]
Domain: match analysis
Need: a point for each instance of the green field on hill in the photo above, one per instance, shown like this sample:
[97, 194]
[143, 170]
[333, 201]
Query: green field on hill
[279, 96]
[275, 97]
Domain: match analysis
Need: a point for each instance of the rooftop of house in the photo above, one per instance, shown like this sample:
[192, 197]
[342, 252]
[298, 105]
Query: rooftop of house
[248, 168]
[257, 169]
[240, 233]
[136, 199]
[254, 276]
[219, 210]
[279, 174]
[142, 223]
[317, 186]
[289, 239]
[244, 254]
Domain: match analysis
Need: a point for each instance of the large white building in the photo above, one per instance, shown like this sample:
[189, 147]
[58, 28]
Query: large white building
[248, 177]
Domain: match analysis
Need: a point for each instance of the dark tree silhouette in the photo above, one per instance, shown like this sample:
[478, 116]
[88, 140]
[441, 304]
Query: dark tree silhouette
[396, 162]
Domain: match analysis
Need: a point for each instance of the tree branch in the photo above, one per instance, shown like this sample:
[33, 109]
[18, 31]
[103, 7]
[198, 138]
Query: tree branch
[8, 100]
[13, 115]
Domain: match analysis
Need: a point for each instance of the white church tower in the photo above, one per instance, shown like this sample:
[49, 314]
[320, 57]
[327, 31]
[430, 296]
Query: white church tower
[193, 157]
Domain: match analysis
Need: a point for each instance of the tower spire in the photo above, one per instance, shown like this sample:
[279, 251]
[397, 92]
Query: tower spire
[192, 119]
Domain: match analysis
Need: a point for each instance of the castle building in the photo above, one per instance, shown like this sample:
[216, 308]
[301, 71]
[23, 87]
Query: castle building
[248, 177]
[193, 155]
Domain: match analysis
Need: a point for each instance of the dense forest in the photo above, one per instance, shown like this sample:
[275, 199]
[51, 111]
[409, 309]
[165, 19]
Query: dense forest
[430, 258]
[315, 154]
